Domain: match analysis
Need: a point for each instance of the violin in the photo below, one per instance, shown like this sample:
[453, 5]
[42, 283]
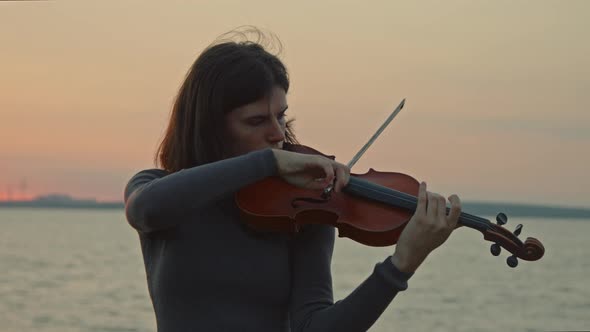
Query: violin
[372, 209]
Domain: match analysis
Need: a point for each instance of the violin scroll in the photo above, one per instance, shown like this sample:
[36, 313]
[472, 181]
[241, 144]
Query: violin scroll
[531, 250]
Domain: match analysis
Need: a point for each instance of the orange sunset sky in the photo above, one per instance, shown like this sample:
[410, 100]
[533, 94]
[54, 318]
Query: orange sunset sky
[497, 92]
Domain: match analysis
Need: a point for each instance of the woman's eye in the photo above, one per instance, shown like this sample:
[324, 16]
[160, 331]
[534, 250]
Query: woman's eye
[260, 120]
[255, 121]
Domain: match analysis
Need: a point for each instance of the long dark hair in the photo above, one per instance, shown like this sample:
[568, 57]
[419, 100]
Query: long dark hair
[228, 74]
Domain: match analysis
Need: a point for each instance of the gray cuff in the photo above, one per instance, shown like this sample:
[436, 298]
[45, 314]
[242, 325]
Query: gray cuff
[392, 275]
[269, 161]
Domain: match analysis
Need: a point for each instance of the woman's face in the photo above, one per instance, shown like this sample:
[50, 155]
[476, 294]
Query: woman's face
[258, 125]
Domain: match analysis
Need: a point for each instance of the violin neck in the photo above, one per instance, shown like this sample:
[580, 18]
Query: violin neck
[398, 199]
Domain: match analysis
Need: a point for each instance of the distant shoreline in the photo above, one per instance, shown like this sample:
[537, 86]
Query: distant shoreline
[475, 208]
[62, 205]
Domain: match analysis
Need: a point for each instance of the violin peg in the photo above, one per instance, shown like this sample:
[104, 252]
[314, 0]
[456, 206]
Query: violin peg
[517, 230]
[495, 249]
[512, 261]
[501, 219]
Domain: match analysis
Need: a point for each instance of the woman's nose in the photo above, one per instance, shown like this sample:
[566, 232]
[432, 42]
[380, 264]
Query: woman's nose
[276, 131]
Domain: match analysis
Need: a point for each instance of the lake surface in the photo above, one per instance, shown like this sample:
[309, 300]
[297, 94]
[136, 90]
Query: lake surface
[81, 270]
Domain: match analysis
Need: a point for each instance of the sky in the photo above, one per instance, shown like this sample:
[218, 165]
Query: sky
[496, 91]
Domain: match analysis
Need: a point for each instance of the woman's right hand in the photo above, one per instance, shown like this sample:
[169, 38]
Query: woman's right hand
[429, 227]
[310, 171]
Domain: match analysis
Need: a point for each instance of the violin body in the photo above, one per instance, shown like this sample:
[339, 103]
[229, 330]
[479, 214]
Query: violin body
[288, 208]
[372, 209]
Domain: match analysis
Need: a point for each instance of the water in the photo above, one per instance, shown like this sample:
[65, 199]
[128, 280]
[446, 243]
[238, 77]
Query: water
[81, 270]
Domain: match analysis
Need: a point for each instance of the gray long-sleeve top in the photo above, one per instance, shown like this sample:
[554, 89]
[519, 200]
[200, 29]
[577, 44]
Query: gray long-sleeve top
[207, 271]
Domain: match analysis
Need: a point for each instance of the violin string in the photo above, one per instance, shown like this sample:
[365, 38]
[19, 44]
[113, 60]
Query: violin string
[407, 198]
[412, 199]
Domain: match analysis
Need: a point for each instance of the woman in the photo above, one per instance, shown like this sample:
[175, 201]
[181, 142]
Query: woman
[206, 270]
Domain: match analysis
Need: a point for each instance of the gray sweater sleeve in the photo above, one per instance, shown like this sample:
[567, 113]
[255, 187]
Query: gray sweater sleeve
[156, 200]
[312, 307]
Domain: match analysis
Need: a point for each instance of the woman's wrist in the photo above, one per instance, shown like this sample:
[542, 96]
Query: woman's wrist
[404, 263]
[279, 155]
[399, 263]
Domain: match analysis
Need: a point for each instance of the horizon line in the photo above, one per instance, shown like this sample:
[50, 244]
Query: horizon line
[67, 197]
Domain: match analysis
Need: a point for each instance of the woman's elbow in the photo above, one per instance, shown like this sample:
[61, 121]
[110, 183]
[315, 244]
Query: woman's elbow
[139, 214]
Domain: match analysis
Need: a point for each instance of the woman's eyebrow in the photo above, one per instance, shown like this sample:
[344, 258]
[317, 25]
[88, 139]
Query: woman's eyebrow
[265, 115]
